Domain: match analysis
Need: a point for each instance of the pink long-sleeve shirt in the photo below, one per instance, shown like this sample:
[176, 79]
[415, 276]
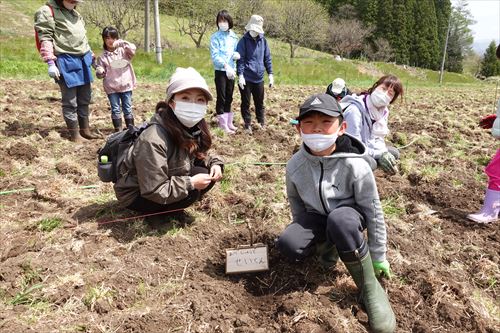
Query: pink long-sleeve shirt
[118, 79]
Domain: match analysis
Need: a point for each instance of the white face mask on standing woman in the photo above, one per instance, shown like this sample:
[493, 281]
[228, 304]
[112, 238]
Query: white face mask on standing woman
[223, 26]
[189, 114]
[253, 33]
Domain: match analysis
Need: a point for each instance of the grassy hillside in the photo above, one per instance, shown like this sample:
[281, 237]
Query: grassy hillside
[20, 59]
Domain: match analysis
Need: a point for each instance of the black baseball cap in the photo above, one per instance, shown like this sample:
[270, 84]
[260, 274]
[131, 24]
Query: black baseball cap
[323, 103]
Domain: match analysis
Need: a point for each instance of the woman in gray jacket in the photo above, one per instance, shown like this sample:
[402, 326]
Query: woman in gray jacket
[168, 167]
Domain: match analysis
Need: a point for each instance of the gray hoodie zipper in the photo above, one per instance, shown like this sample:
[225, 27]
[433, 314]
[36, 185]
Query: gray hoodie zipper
[321, 189]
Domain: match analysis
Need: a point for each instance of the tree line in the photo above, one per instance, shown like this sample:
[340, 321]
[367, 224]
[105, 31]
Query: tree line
[408, 32]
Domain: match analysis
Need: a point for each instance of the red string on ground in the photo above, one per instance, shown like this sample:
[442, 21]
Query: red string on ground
[139, 216]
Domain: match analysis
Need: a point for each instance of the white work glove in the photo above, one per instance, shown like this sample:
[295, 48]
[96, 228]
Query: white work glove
[236, 56]
[53, 70]
[100, 72]
[230, 72]
[118, 43]
[241, 82]
[271, 80]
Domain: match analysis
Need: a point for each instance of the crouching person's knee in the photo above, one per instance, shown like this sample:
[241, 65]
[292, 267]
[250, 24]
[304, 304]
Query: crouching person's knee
[290, 249]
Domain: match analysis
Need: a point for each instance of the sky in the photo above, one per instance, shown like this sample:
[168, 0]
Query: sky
[486, 13]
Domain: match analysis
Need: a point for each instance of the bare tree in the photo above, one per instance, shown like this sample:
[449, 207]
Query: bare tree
[347, 36]
[381, 50]
[241, 10]
[124, 15]
[193, 17]
[297, 22]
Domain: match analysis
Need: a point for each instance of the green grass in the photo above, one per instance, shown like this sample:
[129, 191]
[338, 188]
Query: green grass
[49, 224]
[26, 295]
[94, 294]
[20, 60]
[393, 207]
[29, 284]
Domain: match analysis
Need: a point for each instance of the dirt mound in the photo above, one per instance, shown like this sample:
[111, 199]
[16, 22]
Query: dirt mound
[23, 151]
[72, 260]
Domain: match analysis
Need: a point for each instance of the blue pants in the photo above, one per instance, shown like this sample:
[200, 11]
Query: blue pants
[123, 98]
[343, 227]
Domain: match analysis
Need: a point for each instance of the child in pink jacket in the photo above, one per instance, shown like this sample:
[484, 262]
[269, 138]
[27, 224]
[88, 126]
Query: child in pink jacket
[115, 67]
[491, 206]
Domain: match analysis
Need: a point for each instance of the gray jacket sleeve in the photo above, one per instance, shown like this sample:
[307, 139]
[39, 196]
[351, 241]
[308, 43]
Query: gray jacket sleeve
[296, 204]
[366, 197]
[151, 163]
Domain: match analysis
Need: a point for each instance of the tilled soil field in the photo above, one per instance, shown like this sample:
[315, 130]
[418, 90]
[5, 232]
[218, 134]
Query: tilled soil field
[70, 261]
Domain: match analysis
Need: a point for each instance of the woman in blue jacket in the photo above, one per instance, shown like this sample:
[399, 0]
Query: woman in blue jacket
[222, 50]
[255, 58]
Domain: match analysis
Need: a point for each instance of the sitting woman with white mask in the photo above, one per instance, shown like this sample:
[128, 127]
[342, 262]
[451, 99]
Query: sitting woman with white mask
[168, 167]
[366, 116]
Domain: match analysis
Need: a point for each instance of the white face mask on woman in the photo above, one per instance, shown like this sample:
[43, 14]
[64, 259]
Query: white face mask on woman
[379, 98]
[319, 142]
[69, 5]
[253, 33]
[189, 114]
[223, 26]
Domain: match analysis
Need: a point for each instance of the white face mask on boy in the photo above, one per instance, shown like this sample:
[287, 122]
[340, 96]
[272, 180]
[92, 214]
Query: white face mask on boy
[189, 114]
[319, 142]
[223, 26]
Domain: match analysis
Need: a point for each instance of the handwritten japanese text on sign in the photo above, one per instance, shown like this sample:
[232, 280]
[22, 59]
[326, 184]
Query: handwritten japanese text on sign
[247, 259]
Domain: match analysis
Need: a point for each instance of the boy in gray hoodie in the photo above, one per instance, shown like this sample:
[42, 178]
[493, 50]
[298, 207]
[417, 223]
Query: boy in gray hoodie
[333, 197]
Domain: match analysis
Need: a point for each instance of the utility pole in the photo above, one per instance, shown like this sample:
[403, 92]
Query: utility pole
[445, 47]
[146, 26]
[157, 32]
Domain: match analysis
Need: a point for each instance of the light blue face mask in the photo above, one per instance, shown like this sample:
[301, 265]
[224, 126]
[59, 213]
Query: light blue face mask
[319, 142]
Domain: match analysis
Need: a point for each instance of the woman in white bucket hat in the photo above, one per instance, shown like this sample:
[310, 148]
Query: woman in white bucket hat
[169, 167]
[255, 59]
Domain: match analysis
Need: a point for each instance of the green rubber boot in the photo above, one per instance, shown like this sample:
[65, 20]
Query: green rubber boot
[380, 314]
[327, 255]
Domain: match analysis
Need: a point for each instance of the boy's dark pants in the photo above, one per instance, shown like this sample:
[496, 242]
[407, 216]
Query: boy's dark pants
[225, 89]
[343, 227]
[255, 90]
[143, 205]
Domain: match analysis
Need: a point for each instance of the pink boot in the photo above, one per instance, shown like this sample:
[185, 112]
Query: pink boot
[489, 211]
[222, 118]
[230, 125]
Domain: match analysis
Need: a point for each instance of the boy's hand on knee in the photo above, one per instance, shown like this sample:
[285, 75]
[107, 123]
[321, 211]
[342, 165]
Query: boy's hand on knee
[382, 267]
[388, 163]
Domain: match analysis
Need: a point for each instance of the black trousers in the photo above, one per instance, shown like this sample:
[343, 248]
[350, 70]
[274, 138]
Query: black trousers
[343, 227]
[255, 90]
[225, 89]
[143, 205]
